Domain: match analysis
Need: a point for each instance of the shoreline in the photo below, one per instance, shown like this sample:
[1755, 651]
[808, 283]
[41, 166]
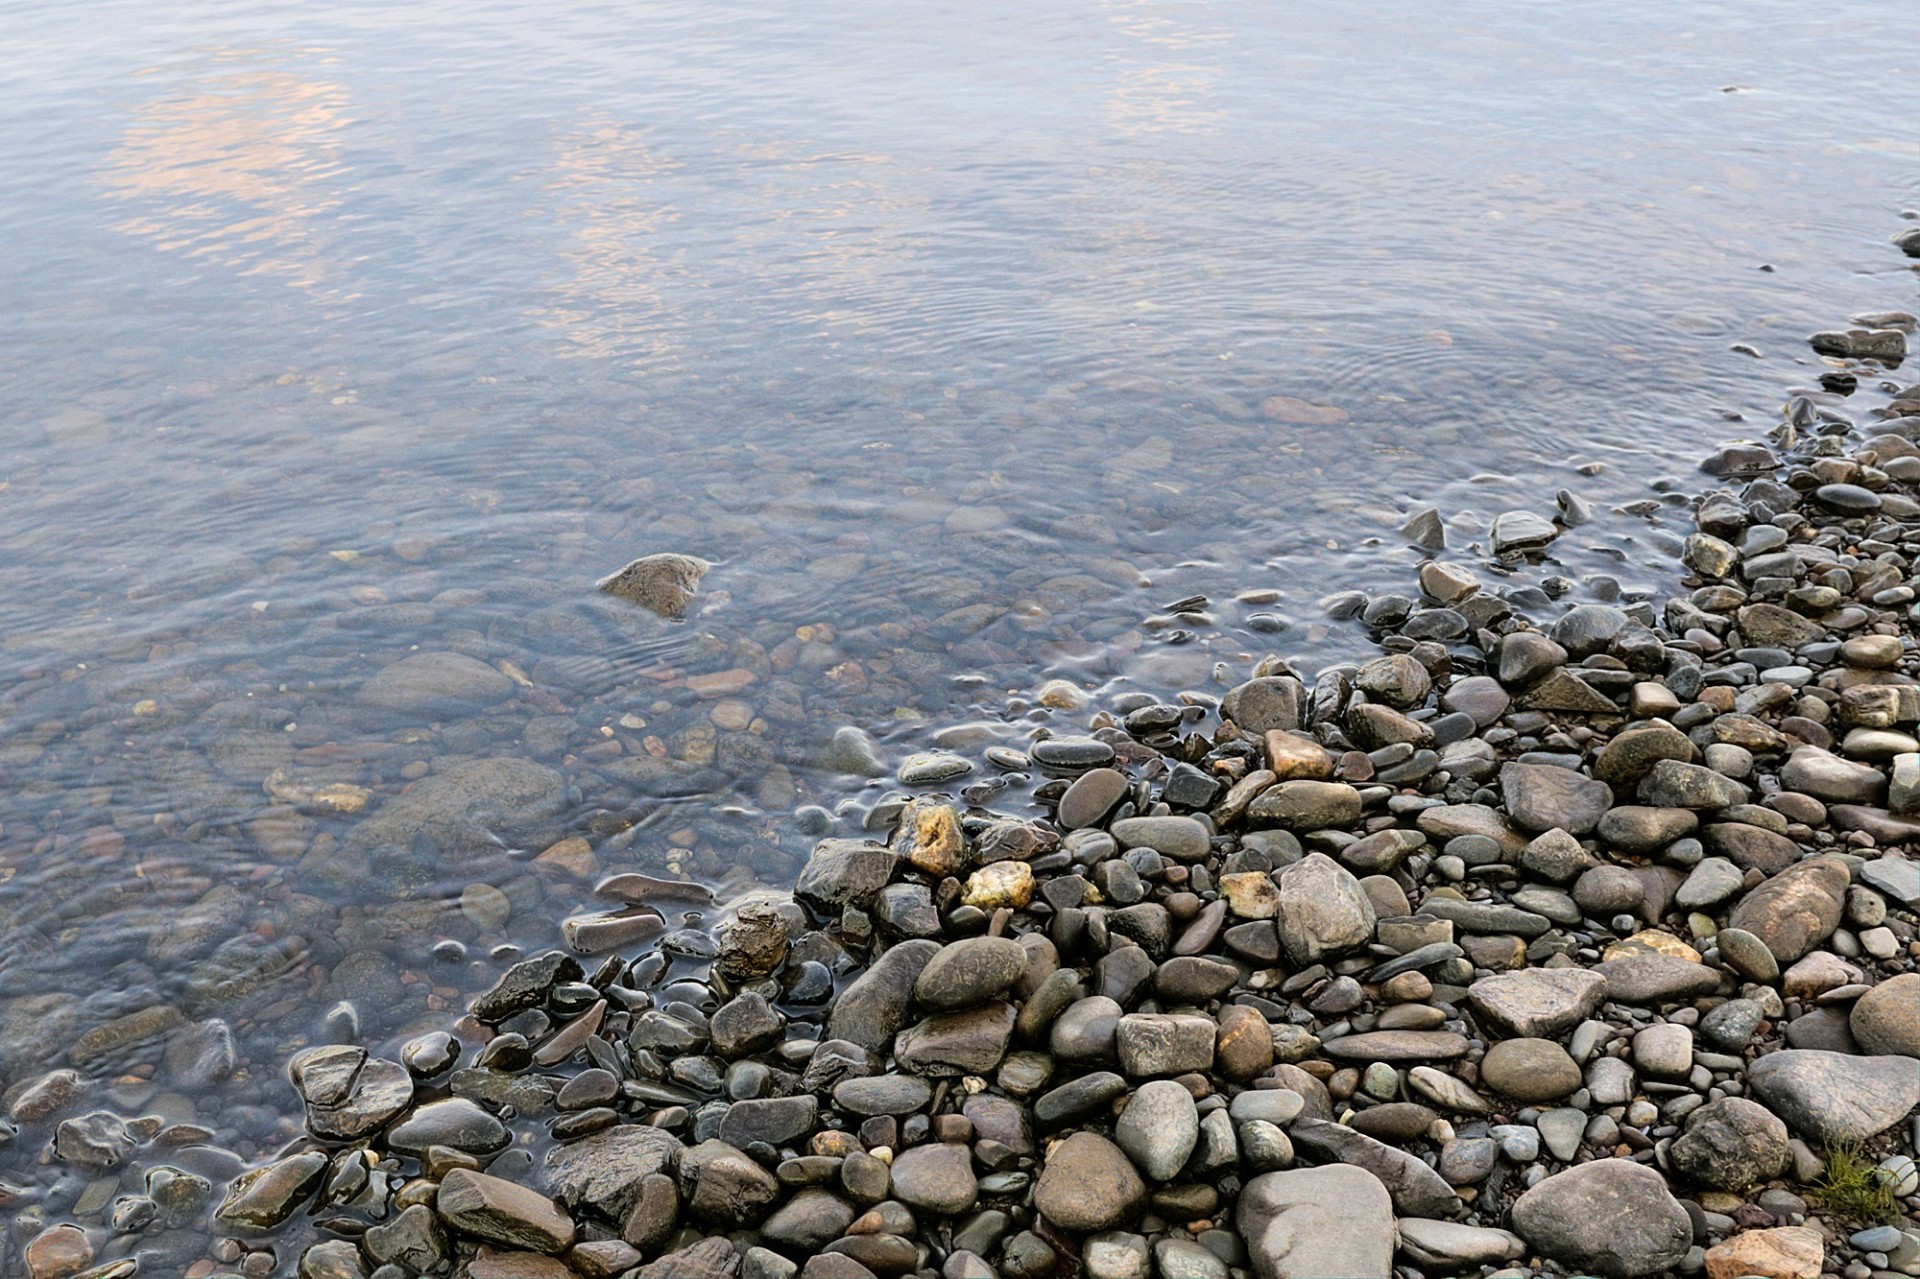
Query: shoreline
[1486, 930]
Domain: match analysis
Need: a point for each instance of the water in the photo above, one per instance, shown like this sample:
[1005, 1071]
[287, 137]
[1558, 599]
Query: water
[963, 340]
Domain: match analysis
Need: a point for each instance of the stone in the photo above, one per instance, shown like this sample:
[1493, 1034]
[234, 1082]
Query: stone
[1520, 532]
[1334, 1222]
[1164, 1043]
[929, 837]
[744, 1025]
[1530, 1070]
[435, 683]
[499, 1211]
[1636, 828]
[1554, 855]
[1116, 1254]
[1711, 881]
[1796, 909]
[810, 1220]
[1672, 784]
[1304, 805]
[1731, 1144]
[874, 1007]
[1542, 797]
[471, 806]
[936, 1178]
[1538, 1003]
[1269, 702]
[969, 1042]
[969, 972]
[1415, 1189]
[1656, 979]
[1088, 1183]
[455, 1123]
[1612, 1217]
[1782, 1252]
[1451, 1246]
[1159, 1128]
[1824, 775]
[883, 1095]
[1886, 1020]
[1181, 838]
[1090, 798]
[777, 1121]
[264, 1198]
[606, 1170]
[1830, 1096]
[1323, 910]
[843, 872]
[1009, 884]
[723, 1186]
[665, 583]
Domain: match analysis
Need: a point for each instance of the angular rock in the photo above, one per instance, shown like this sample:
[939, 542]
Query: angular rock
[1334, 1222]
[1611, 1217]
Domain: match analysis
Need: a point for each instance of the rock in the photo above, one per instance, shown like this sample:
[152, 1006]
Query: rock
[1829, 1096]
[843, 872]
[1000, 884]
[1672, 784]
[473, 805]
[1555, 856]
[1334, 1222]
[1416, 1190]
[1796, 909]
[854, 752]
[724, 1187]
[1304, 805]
[1732, 1144]
[1451, 1246]
[1824, 775]
[929, 837]
[266, 1197]
[1771, 626]
[1886, 1020]
[744, 1025]
[873, 1009]
[605, 1170]
[1088, 1183]
[348, 1094]
[434, 683]
[969, 972]
[1158, 1128]
[1395, 1046]
[812, 1219]
[455, 1123]
[1181, 838]
[1091, 796]
[1519, 532]
[1116, 1254]
[1711, 881]
[1612, 1217]
[1783, 1252]
[1164, 1043]
[1270, 702]
[1323, 910]
[936, 1178]
[969, 1042]
[1858, 344]
[501, 1212]
[1656, 979]
[1541, 797]
[1635, 828]
[665, 584]
[1897, 877]
[1530, 1070]
[777, 1121]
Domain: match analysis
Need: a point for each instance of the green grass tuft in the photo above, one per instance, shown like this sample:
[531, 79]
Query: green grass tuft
[1852, 1186]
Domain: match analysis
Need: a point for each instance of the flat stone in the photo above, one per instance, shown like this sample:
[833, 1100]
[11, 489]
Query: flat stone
[1782, 1252]
[266, 1197]
[1090, 798]
[1672, 784]
[1164, 1043]
[970, 1042]
[1453, 1245]
[1530, 1070]
[1416, 1190]
[502, 1212]
[1540, 1003]
[874, 1008]
[435, 683]
[969, 972]
[1334, 1222]
[1397, 1046]
[605, 1170]
[1829, 1096]
[1159, 1128]
[1656, 979]
[1181, 838]
[1541, 797]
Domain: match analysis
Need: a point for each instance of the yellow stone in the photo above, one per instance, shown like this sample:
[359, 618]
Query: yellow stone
[332, 797]
[1652, 941]
[1251, 894]
[1000, 884]
[1061, 695]
[572, 856]
[930, 837]
[1294, 757]
[1784, 1252]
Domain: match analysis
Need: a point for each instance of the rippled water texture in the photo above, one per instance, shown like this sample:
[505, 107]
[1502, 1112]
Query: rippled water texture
[963, 339]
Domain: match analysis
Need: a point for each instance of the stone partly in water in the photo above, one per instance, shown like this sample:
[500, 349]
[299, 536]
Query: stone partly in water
[665, 584]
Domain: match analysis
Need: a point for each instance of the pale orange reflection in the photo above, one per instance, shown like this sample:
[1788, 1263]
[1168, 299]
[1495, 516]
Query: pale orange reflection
[243, 171]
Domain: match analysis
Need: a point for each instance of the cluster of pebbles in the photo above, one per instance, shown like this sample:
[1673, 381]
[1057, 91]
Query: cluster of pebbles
[1574, 945]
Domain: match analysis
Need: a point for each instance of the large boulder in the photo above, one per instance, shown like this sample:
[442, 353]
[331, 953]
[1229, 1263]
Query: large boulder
[1797, 909]
[1832, 1096]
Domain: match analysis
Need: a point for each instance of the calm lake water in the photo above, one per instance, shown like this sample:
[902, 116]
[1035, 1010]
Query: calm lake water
[964, 339]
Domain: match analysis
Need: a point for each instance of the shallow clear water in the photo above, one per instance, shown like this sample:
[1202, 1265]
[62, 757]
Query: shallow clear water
[963, 339]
